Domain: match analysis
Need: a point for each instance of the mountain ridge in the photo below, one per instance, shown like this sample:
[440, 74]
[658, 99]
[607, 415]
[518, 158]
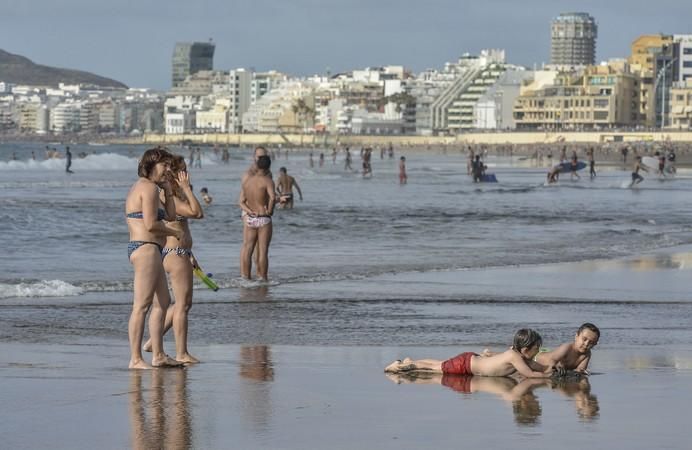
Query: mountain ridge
[18, 69]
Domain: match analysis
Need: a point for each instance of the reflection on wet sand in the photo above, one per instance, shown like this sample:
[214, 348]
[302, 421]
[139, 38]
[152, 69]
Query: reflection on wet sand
[525, 404]
[257, 373]
[644, 263]
[161, 417]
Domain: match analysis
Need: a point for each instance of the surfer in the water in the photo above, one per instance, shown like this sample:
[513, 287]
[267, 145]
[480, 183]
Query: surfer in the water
[554, 174]
[178, 260]
[517, 359]
[636, 178]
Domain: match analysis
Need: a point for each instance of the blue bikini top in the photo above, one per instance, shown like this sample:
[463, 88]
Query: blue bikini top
[160, 215]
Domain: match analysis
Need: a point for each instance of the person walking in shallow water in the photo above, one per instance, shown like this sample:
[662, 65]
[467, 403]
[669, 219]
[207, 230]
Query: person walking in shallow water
[68, 160]
[178, 260]
[148, 234]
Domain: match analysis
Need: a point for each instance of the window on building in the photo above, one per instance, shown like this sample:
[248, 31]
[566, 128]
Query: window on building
[687, 64]
[600, 115]
[600, 103]
[687, 51]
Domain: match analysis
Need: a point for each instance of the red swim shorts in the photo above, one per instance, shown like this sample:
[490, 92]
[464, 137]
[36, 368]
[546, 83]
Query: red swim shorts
[459, 365]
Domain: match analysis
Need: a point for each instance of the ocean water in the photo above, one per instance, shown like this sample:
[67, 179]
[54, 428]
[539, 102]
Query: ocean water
[357, 255]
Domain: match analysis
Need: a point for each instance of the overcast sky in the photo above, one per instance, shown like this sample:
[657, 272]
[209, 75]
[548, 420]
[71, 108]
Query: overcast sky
[132, 40]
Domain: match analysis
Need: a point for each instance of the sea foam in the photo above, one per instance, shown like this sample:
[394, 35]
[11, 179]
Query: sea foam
[43, 288]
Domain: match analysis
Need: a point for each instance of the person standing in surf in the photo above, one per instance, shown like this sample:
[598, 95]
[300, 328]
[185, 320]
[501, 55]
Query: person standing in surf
[592, 164]
[68, 160]
[178, 260]
[257, 199]
[148, 234]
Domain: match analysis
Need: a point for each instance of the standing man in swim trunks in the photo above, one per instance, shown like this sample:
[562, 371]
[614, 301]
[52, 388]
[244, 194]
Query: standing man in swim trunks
[284, 187]
[257, 199]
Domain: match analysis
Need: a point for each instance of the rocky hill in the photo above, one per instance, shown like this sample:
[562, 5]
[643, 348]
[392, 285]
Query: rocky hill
[17, 69]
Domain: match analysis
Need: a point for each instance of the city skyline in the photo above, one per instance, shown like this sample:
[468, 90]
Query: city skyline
[307, 37]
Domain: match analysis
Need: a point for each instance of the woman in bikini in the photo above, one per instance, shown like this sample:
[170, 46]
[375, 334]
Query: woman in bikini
[178, 260]
[148, 234]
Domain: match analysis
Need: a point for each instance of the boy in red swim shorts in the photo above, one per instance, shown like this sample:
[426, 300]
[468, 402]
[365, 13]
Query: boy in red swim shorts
[518, 359]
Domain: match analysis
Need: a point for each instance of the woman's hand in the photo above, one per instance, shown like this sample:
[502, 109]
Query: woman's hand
[183, 179]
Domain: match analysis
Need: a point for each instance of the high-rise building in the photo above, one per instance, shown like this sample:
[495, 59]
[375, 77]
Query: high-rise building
[190, 58]
[573, 40]
[650, 53]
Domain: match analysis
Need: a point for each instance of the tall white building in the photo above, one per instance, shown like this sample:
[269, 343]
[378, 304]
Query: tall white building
[682, 51]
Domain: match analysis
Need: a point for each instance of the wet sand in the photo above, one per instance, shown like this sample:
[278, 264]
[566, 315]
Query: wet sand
[282, 397]
[290, 367]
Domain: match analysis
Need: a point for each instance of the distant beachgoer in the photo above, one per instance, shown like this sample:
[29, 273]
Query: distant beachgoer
[311, 162]
[192, 157]
[68, 160]
[661, 163]
[554, 173]
[257, 200]
[636, 178]
[204, 192]
[178, 260]
[251, 171]
[198, 159]
[573, 165]
[592, 163]
[334, 155]
[478, 169]
[469, 163]
[148, 235]
[225, 156]
[624, 152]
[284, 187]
[33, 155]
[367, 167]
[403, 178]
[321, 159]
[347, 160]
[14, 156]
[518, 359]
[390, 151]
[573, 355]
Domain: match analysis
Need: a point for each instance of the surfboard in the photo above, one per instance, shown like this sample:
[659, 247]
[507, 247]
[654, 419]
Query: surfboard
[489, 178]
[566, 167]
[205, 279]
[650, 162]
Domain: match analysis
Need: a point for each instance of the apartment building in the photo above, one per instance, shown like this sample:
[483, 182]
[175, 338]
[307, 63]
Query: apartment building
[595, 97]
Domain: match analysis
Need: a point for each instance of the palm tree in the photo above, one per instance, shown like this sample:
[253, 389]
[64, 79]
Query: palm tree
[302, 110]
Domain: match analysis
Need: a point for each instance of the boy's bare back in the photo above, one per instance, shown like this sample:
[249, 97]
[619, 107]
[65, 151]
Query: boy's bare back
[257, 193]
[506, 363]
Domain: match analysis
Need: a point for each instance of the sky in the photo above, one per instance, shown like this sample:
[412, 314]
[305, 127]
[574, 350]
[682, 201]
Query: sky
[132, 40]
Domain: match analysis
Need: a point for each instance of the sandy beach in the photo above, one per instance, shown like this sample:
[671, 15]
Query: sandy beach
[325, 388]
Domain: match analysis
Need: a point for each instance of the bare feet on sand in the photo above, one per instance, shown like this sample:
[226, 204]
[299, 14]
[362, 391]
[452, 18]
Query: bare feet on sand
[187, 359]
[166, 361]
[400, 365]
[139, 365]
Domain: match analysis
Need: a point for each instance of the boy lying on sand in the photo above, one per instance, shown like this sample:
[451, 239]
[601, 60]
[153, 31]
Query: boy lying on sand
[518, 359]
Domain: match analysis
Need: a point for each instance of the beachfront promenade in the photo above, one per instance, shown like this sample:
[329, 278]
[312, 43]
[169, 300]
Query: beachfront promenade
[322, 140]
